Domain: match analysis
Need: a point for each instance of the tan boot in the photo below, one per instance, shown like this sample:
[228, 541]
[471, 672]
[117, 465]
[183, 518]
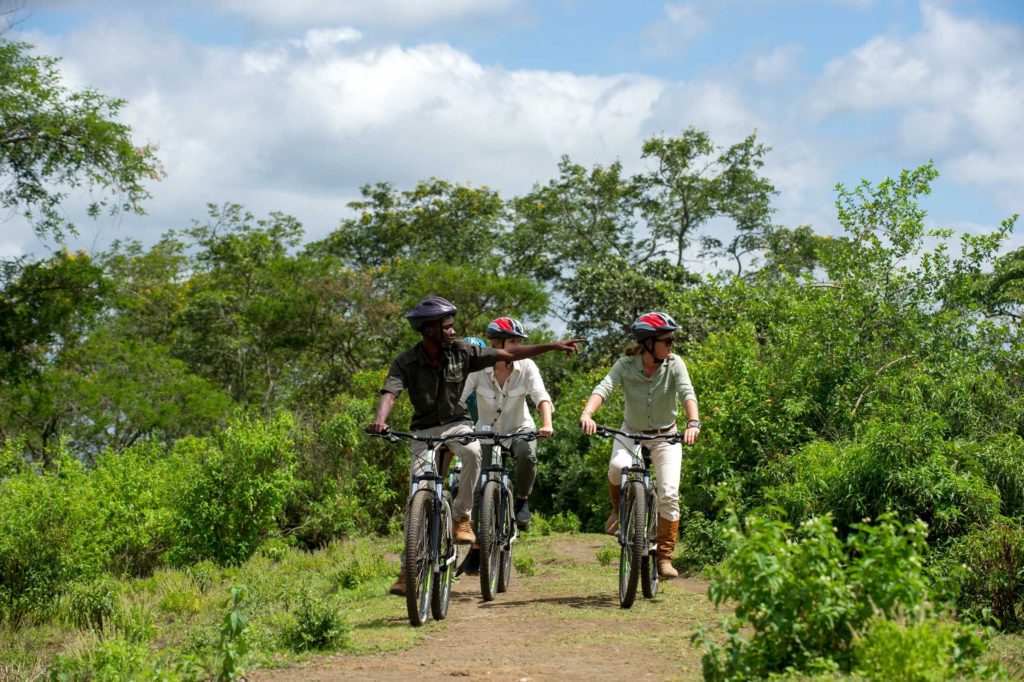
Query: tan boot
[464, 534]
[667, 533]
[611, 526]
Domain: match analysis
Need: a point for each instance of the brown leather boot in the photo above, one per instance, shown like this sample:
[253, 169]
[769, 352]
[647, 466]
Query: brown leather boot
[611, 526]
[667, 533]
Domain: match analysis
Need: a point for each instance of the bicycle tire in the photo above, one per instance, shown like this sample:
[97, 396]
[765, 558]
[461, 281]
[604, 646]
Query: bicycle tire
[649, 565]
[442, 590]
[489, 540]
[418, 570]
[633, 550]
[505, 566]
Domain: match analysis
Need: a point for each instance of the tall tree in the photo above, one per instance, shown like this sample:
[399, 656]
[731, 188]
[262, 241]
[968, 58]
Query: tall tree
[53, 140]
[695, 181]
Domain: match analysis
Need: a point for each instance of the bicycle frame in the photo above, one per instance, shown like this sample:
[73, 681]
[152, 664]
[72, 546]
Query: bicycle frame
[496, 470]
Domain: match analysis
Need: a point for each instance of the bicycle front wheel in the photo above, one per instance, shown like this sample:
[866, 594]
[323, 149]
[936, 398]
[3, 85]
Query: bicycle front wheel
[442, 591]
[418, 569]
[633, 548]
[490, 539]
[505, 566]
[649, 565]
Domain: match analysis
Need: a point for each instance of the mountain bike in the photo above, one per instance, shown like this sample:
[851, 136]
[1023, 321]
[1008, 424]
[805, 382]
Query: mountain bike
[430, 550]
[498, 530]
[638, 518]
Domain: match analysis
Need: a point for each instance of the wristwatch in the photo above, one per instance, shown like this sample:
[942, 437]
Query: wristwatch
[693, 424]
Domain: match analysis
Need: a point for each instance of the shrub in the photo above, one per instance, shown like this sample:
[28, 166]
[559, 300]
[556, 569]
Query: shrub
[316, 625]
[927, 650]
[990, 563]
[805, 594]
[233, 489]
[48, 537]
[703, 542]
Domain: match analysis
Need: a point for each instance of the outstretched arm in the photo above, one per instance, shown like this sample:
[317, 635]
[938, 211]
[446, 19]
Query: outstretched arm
[522, 352]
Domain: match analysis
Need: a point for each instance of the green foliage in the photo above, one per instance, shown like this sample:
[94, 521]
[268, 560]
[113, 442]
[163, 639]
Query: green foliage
[232, 489]
[606, 554]
[109, 660]
[702, 543]
[54, 140]
[927, 650]
[806, 595]
[989, 565]
[234, 645]
[48, 537]
[316, 625]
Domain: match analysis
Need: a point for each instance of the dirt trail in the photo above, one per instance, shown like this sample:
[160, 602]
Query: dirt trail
[563, 620]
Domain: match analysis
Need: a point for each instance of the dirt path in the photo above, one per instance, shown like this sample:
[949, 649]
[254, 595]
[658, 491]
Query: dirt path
[559, 618]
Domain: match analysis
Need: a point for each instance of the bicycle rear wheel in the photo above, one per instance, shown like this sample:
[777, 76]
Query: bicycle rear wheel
[649, 565]
[442, 591]
[633, 549]
[490, 539]
[418, 570]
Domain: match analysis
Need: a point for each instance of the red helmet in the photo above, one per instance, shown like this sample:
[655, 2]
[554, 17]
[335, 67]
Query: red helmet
[652, 324]
[430, 309]
[505, 328]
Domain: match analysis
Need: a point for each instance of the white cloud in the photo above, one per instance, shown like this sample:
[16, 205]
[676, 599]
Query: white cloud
[956, 88]
[300, 125]
[682, 23]
[776, 66]
[389, 13]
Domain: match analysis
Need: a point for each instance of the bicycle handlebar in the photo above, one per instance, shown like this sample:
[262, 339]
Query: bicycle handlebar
[463, 438]
[607, 432]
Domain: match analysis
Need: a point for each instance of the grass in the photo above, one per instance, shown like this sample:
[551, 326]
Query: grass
[339, 595]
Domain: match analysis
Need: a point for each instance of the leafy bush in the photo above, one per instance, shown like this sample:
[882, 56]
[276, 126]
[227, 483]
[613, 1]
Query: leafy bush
[109, 659]
[233, 489]
[48, 537]
[806, 594]
[927, 650]
[990, 565]
[702, 543]
[316, 625]
[360, 568]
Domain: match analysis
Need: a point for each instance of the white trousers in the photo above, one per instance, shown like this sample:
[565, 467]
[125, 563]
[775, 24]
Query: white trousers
[469, 454]
[667, 460]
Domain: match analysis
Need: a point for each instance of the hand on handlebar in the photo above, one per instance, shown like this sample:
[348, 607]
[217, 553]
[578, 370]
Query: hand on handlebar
[377, 427]
[545, 432]
[588, 425]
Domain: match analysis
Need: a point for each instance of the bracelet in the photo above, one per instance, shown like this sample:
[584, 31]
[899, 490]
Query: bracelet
[586, 413]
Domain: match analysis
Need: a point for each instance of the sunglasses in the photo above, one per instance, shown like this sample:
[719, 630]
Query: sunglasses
[667, 341]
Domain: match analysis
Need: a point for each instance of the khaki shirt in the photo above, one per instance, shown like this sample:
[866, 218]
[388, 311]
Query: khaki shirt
[436, 392]
[651, 402]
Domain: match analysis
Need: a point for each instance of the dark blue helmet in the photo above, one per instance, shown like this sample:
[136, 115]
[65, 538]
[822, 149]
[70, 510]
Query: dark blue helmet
[430, 309]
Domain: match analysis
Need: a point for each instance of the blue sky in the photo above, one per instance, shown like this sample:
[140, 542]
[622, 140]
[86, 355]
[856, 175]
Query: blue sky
[292, 106]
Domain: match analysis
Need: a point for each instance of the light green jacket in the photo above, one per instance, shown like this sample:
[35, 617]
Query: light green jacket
[651, 402]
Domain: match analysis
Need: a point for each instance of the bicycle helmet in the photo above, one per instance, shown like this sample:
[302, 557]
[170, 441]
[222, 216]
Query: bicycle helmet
[430, 309]
[505, 328]
[652, 324]
[476, 341]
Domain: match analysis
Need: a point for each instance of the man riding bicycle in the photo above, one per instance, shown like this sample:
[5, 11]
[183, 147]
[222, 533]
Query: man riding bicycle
[434, 372]
[654, 381]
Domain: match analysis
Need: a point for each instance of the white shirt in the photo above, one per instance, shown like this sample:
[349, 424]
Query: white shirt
[503, 408]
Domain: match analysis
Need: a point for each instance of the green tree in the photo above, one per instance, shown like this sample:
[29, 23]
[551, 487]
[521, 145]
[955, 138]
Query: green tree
[694, 181]
[53, 140]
